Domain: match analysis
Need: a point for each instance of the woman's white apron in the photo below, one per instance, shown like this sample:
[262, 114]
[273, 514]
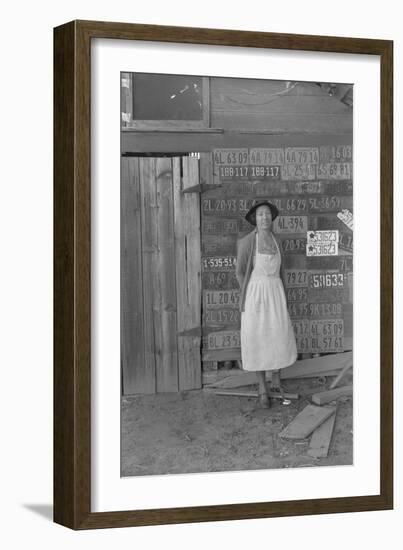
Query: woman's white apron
[267, 335]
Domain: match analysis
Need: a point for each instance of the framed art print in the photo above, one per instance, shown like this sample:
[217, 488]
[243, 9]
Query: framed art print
[223, 275]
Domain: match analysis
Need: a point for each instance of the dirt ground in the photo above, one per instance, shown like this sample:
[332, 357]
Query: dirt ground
[197, 431]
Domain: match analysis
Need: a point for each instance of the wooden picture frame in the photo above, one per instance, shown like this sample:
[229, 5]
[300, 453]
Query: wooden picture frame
[72, 270]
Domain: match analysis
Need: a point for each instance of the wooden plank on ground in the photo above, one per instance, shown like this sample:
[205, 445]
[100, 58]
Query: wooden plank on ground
[166, 351]
[188, 271]
[274, 395]
[323, 374]
[324, 397]
[234, 380]
[340, 376]
[306, 422]
[135, 377]
[321, 437]
[317, 365]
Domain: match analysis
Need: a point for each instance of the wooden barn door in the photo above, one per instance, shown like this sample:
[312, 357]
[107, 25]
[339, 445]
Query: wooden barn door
[160, 275]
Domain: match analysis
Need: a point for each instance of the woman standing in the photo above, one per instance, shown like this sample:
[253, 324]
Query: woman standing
[267, 336]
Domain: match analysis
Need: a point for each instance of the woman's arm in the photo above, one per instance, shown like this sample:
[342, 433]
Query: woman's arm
[240, 269]
[282, 270]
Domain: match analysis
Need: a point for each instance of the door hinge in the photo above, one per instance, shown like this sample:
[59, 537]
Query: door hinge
[195, 331]
[201, 187]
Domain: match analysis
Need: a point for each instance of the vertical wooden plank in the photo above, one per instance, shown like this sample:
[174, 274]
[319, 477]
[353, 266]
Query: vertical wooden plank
[166, 351]
[188, 272]
[135, 378]
[149, 253]
[206, 169]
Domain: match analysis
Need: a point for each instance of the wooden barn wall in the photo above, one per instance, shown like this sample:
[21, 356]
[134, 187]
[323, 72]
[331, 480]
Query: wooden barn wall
[291, 143]
[277, 106]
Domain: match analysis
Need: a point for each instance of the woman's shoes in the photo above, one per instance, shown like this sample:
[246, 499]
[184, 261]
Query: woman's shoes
[264, 401]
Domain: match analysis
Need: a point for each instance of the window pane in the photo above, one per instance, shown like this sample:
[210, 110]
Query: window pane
[167, 97]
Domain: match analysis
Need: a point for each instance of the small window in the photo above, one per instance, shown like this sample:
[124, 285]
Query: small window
[162, 100]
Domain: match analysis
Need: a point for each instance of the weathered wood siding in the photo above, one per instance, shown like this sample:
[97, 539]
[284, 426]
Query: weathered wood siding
[188, 284]
[139, 379]
[275, 105]
[160, 275]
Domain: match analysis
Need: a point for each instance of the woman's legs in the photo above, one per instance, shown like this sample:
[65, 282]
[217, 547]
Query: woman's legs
[262, 381]
[275, 379]
[264, 399]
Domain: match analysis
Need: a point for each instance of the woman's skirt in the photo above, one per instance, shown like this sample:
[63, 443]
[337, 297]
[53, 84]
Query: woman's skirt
[267, 335]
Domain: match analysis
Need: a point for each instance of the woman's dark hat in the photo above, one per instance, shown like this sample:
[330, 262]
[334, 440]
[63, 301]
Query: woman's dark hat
[251, 214]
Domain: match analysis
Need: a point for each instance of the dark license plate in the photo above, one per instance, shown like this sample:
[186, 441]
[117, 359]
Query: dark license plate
[219, 280]
[220, 298]
[293, 246]
[324, 344]
[297, 294]
[222, 317]
[224, 339]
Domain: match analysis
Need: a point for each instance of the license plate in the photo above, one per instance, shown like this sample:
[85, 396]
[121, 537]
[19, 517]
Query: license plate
[347, 218]
[234, 172]
[297, 294]
[329, 203]
[298, 172]
[218, 206]
[325, 310]
[323, 344]
[326, 327]
[266, 156]
[324, 279]
[303, 344]
[335, 170]
[291, 224]
[301, 328]
[336, 153]
[222, 317]
[302, 155]
[298, 309]
[322, 249]
[293, 246]
[288, 205]
[264, 172]
[219, 263]
[224, 339]
[296, 277]
[346, 242]
[217, 227]
[219, 280]
[219, 298]
[315, 237]
[230, 157]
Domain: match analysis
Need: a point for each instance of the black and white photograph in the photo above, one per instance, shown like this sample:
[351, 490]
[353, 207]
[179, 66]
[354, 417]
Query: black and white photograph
[236, 274]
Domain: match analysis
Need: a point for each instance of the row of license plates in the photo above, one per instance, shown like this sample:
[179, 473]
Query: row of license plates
[287, 172]
[326, 335]
[292, 205]
[232, 316]
[279, 156]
